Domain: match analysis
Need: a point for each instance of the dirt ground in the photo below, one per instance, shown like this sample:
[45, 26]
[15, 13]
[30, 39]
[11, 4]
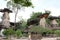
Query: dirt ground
[44, 38]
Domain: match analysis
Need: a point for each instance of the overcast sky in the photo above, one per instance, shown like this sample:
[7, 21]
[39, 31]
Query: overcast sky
[39, 5]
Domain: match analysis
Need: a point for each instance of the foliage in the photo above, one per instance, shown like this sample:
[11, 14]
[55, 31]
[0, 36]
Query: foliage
[57, 32]
[23, 2]
[49, 31]
[11, 32]
[37, 29]
[19, 3]
[18, 33]
[58, 21]
[25, 34]
[8, 32]
[16, 5]
[35, 14]
[34, 18]
[22, 25]
[48, 21]
[41, 30]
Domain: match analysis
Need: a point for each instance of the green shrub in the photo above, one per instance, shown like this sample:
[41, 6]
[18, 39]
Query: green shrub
[38, 29]
[41, 30]
[57, 32]
[25, 34]
[48, 31]
[8, 32]
[18, 33]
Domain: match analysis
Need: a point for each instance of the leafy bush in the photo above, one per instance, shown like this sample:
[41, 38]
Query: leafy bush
[37, 29]
[41, 30]
[57, 32]
[25, 34]
[18, 33]
[8, 32]
[48, 31]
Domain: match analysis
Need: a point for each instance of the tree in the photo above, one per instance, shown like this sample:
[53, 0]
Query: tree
[35, 14]
[34, 18]
[15, 5]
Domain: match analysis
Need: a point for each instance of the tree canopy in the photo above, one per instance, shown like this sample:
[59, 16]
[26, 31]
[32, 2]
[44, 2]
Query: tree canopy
[35, 14]
[18, 4]
[23, 2]
[15, 5]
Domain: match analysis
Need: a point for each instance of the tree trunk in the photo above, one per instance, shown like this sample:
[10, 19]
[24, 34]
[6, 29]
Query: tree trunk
[15, 18]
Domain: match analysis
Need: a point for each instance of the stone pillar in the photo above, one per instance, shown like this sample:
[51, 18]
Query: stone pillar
[42, 22]
[29, 36]
[29, 32]
[54, 22]
[5, 20]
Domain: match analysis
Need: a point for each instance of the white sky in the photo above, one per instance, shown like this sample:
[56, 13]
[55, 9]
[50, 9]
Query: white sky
[40, 5]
